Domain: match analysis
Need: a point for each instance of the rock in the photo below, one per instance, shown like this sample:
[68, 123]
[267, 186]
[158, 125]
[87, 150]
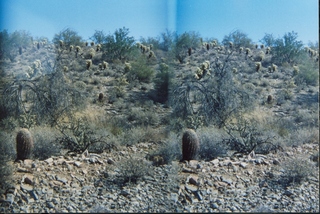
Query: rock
[191, 188]
[193, 180]
[215, 161]
[243, 165]
[26, 187]
[61, 179]
[174, 197]
[77, 164]
[25, 170]
[28, 163]
[110, 161]
[49, 160]
[28, 179]
[49, 204]
[187, 170]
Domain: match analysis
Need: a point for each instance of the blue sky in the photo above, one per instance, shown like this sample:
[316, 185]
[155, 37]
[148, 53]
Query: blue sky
[149, 18]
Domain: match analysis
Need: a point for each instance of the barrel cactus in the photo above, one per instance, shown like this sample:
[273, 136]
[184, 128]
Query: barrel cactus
[24, 143]
[190, 145]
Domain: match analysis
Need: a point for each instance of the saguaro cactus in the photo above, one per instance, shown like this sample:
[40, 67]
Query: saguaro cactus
[24, 143]
[190, 145]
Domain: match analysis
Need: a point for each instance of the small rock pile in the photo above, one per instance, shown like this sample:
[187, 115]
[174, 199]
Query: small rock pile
[89, 183]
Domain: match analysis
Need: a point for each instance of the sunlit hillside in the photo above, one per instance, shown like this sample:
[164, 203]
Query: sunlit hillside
[168, 124]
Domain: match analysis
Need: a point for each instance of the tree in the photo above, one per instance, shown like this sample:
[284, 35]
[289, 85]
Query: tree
[167, 40]
[213, 99]
[238, 38]
[9, 43]
[285, 49]
[98, 37]
[183, 42]
[268, 40]
[119, 45]
[68, 36]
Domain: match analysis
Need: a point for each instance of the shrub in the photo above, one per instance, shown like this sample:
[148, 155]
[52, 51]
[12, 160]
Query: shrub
[132, 169]
[169, 151]
[183, 42]
[211, 144]
[119, 45]
[45, 142]
[141, 71]
[295, 170]
[238, 38]
[247, 135]
[78, 135]
[24, 143]
[7, 153]
[68, 37]
[162, 83]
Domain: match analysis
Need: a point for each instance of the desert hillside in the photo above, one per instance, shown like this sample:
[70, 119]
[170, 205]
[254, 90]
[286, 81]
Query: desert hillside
[176, 123]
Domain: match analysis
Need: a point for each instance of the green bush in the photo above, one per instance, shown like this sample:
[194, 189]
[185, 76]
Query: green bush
[162, 83]
[238, 38]
[132, 169]
[69, 37]
[7, 153]
[141, 70]
[118, 45]
[45, 142]
[296, 170]
[211, 144]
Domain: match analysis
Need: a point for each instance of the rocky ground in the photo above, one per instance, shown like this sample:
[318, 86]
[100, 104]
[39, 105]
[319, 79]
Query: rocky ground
[89, 183]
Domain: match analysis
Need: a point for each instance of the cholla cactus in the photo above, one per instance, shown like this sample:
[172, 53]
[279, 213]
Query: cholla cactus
[295, 70]
[230, 45]
[240, 50]
[198, 74]
[234, 70]
[214, 43]
[274, 68]
[104, 65]
[98, 48]
[88, 64]
[258, 66]
[92, 43]
[36, 64]
[268, 49]
[71, 48]
[151, 54]
[127, 67]
[151, 46]
[24, 144]
[260, 56]
[248, 51]
[61, 43]
[262, 46]
[65, 68]
[190, 145]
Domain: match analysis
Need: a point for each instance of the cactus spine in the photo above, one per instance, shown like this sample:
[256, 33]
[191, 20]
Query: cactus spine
[24, 143]
[190, 145]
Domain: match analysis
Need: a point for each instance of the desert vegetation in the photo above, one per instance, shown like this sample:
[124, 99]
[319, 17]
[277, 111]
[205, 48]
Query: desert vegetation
[189, 98]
